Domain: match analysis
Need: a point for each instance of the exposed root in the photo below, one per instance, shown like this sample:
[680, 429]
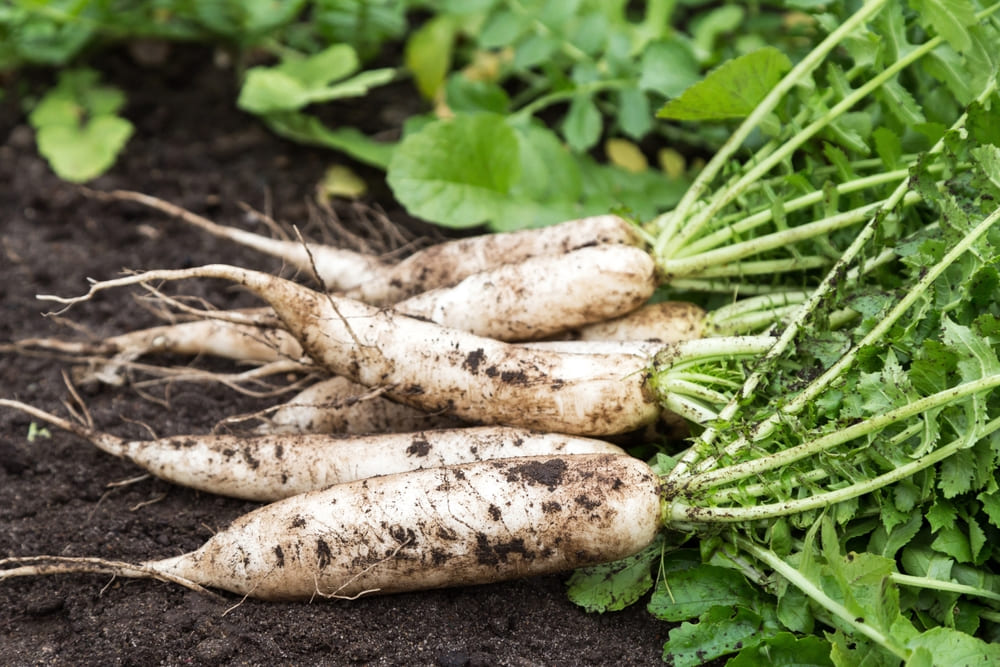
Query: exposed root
[336, 593]
[34, 566]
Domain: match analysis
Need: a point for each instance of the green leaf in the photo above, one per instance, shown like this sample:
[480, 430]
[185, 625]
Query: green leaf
[955, 543]
[634, 114]
[668, 67]
[243, 20]
[549, 170]
[363, 25]
[732, 90]
[614, 586]
[948, 18]
[308, 129]
[428, 54]
[456, 172]
[582, 125]
[785, 650]
[76, 127]
[719, 631]
[951, 647]
[463, 94]
[298, 82]
[690, 593]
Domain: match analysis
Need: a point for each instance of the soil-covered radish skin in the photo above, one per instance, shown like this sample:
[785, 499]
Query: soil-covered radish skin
[469, 524]
[641, 349]
[374, 280]
[541, 296]
[272, 467]
[338, 405]
[241, 342]
[449, 263]
[663, 322]
[437, 369]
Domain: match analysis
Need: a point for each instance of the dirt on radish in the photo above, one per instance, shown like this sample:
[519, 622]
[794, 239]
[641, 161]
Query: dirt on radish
[53, 492]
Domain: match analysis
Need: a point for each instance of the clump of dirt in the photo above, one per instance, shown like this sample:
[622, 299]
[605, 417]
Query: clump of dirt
[59, 495]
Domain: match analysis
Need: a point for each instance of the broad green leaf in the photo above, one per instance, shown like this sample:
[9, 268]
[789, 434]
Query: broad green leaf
[857, 651]
[242, 20]
[668, 67]
[315, 71]
[732, 90]
[502, 28]
[948, 18]
[582, 125]
[456, 172]
[76, 127]
[687, 594]
[549, 170]
[428, 54]
[955, 543]
[463, 94]
[363, 25]
[785, 650]
[983, 125]
[634, 114]
[298, 82]
[719, 631]
[709, 26]
[534, 50]
[647, 193]
[81, 153]
[614, 586]
[951, 647]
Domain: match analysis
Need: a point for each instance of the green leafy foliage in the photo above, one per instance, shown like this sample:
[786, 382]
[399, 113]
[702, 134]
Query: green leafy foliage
[484, 167]
[77, 127]
[300, 81]
[845, 501]
[614, 586]
[457, 171]
[732, 90]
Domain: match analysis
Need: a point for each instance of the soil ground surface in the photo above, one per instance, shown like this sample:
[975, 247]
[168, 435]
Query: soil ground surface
[194, 148]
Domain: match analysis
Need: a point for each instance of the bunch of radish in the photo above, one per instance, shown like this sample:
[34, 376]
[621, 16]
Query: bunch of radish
[393, 501]
[456, 431]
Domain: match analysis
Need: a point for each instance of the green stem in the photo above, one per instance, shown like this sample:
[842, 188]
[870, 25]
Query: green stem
[763, 488]
[707, 286]
[562, 95]
[939, 585]
[867, 233]
[686, 514]
[670, 223]
[688, 408]
[733, 473]
[805, 585]
[758, 170]
[695, 265]
[764, 216]
[679, 387]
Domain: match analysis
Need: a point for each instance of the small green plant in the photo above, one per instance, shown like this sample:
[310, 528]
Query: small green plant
[77, 125]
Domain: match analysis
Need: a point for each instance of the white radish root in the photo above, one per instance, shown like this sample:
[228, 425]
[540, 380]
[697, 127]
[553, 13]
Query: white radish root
[266, 468]
[664, 322]
[474, 523]
[541, 296]
[372, 280]
[438, 369]
[337, 405]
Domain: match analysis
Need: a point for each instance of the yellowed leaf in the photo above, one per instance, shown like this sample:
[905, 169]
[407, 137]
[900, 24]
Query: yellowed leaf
[625, 154]
[340, 181]
[672, 163]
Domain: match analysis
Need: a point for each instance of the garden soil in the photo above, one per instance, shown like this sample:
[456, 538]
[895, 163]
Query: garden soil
[60, 495]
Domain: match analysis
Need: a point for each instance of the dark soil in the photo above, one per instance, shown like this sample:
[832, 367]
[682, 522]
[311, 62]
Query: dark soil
[194, 148]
